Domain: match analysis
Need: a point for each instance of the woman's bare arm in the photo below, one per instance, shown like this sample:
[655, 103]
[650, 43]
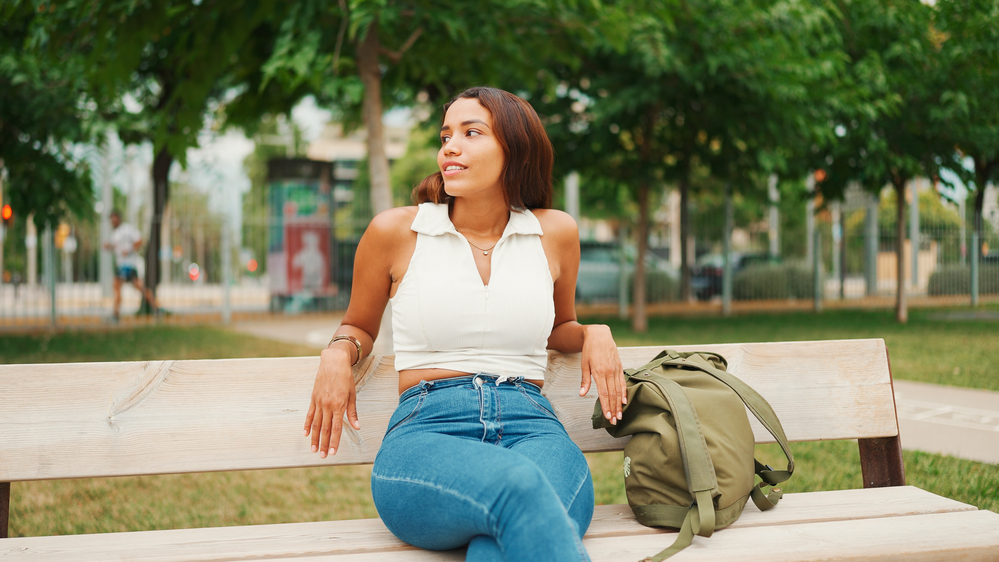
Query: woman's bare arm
[379, 262]
[600, 361]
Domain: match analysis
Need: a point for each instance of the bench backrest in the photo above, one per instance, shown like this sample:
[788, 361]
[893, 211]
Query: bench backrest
[160, 417]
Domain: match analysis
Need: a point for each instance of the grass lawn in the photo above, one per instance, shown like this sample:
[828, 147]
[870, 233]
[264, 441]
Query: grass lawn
[954, 353]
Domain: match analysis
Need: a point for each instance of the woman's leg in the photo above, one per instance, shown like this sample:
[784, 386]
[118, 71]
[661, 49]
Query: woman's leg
[565, 467]
[441, 492]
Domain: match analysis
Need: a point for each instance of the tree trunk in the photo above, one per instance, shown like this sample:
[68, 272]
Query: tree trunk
[161, 194]
[901, 311]
[639, 317]
[686, 292]
[371, 77]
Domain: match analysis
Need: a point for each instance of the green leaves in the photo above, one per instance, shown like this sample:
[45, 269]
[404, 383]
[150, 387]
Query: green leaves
[43, 113]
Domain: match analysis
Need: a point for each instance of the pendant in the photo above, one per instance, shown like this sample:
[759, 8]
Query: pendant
[485, 253]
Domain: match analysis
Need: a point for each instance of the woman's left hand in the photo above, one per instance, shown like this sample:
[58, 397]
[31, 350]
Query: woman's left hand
[601, 363]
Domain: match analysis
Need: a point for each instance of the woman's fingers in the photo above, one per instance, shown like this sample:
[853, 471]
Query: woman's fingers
[308, 417]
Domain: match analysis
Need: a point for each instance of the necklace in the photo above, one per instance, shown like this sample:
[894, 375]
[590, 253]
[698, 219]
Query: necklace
[485, 251]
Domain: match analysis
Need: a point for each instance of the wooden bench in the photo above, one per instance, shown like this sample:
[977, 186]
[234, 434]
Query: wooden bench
[160, 417]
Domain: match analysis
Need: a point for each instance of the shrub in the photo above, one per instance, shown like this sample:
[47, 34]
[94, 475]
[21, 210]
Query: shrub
[773, 281]
[659, 287]
[956, 280]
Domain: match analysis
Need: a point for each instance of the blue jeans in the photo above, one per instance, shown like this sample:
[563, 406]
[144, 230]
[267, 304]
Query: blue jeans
[467, 461]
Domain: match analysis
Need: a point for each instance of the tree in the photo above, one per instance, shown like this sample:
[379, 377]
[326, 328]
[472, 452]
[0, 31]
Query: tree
[182, 62]
[712, 83]
[367, 55]
[44, 112]
[967, 32]
[892, 61]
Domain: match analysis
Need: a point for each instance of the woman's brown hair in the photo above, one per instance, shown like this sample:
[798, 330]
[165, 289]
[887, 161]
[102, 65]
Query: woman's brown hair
[527, 177]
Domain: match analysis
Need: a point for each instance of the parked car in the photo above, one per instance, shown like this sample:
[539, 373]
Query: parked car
[709, 270]
[600, 269]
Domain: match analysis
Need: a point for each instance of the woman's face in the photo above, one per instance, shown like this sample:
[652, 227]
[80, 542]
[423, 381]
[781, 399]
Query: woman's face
[471, 158]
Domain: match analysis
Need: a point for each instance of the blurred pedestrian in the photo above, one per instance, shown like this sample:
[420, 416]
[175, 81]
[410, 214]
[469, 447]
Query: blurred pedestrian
[125, 243]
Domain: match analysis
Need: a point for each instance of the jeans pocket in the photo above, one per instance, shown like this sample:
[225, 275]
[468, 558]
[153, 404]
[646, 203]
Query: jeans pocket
[400, 409]
[539, 404]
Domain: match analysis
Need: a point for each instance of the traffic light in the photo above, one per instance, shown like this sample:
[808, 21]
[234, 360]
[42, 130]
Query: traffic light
[8, 215]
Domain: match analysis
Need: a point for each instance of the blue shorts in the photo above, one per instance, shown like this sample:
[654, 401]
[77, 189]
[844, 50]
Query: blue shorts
[127, 273]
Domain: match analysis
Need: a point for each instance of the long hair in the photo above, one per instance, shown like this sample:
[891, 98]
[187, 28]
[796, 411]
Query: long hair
[527, 176]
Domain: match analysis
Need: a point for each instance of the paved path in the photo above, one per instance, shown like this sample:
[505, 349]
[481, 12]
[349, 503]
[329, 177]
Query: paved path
[948, 420]
[932, 418]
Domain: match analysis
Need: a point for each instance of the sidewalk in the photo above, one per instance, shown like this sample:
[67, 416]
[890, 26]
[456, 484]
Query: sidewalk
[936, 419]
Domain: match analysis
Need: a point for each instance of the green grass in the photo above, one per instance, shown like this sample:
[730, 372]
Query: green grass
[954, 353]
[141, 344]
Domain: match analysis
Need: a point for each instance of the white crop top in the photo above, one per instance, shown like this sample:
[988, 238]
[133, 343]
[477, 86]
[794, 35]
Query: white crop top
[444, 317]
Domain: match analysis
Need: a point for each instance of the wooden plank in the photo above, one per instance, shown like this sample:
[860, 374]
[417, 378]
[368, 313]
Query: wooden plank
[812, 507]
[158, 417]
[297, 540]
[971, 536]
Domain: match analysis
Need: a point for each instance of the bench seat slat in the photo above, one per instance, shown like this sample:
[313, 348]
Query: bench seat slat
[338, 539]
[160, 417]
[971, 536]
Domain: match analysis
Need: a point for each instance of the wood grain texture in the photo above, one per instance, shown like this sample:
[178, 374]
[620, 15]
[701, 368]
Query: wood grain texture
[613, 527]
[158, 417]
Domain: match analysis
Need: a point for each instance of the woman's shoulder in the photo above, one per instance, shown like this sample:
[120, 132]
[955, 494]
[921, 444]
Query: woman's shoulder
[393, 222]
[557, 223]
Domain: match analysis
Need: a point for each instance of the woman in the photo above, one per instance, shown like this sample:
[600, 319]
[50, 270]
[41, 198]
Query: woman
[482, 278]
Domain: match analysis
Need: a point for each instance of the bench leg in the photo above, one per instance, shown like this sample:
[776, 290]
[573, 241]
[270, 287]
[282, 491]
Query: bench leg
[4, 508]
[881, 462]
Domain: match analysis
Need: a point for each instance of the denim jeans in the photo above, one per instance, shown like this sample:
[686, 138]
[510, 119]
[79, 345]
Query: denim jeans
[469, 461]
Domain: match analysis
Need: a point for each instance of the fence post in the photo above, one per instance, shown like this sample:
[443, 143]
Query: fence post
[835, 209]
[974, 268]
[622, 276]
[817, 269]
[871, 245]
[48, 259]
[226, 270]
[727, 253]
[914, 230]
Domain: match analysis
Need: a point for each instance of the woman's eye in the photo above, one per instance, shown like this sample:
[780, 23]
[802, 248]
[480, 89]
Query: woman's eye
[472, 132]
[445, 138]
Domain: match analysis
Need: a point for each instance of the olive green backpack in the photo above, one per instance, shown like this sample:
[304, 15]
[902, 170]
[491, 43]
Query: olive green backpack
[692, 445]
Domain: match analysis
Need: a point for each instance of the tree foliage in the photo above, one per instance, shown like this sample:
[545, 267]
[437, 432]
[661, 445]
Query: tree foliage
[967, 115]
[720, 85]
[44, 112]
[158, 70]
[893, 58]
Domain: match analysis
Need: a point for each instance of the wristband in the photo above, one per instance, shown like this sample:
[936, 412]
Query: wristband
[352, 340]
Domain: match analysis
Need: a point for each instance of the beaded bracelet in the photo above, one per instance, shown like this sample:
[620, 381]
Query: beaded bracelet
[352, 340]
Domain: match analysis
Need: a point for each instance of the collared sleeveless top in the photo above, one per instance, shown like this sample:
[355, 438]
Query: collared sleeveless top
[444, 317]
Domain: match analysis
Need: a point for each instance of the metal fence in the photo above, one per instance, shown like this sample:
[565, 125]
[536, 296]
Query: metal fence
[777, 253]
[215, 268]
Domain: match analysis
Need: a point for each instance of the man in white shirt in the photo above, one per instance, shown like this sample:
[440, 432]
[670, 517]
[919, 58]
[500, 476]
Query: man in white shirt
[125, 243]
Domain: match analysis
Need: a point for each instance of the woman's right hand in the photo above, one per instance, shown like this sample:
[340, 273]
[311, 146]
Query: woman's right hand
[333, 394]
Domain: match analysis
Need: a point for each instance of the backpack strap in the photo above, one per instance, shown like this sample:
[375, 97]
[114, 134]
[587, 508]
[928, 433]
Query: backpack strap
[697, 464]
[753, 401]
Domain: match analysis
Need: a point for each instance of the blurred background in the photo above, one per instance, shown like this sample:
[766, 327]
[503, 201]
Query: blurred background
[718, 155]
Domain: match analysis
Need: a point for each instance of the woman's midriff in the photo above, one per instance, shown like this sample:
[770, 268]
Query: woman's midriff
[412, 377]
